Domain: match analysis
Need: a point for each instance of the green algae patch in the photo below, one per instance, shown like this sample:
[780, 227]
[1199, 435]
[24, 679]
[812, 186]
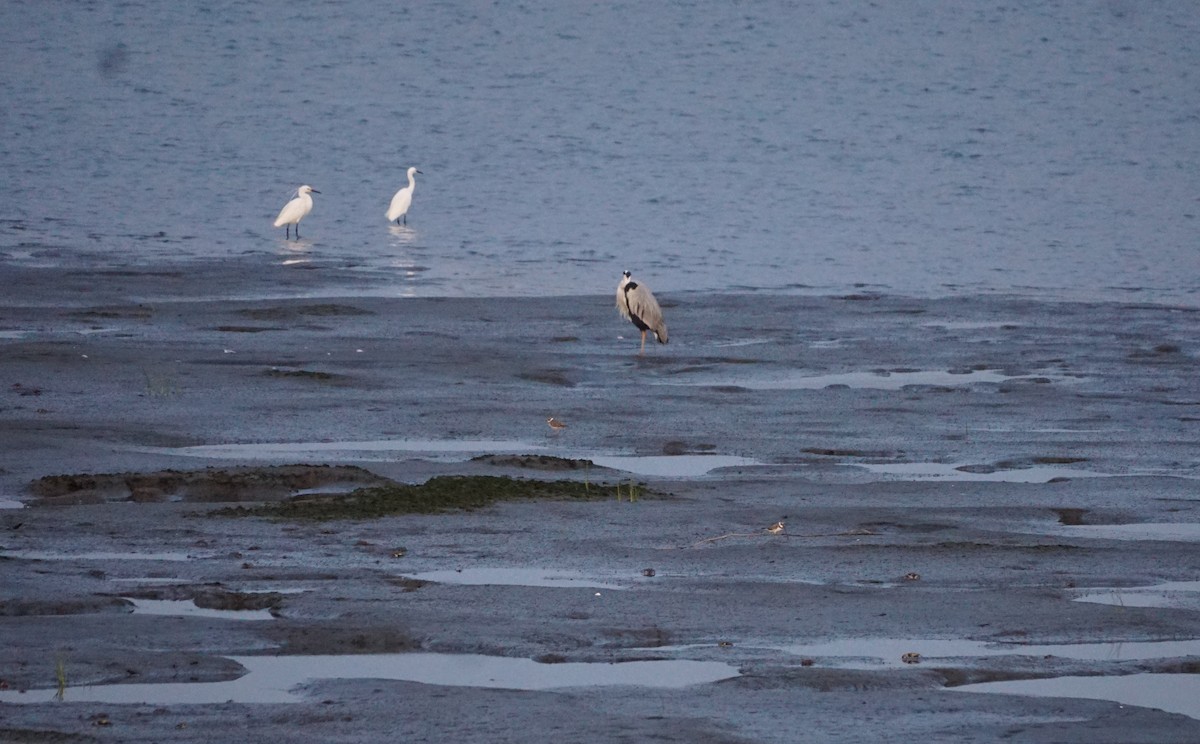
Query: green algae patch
[536, 462]
[438, 494]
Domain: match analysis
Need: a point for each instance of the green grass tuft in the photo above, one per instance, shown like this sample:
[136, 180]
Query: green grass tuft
[60, 677]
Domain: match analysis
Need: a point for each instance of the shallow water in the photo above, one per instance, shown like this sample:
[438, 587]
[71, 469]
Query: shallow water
[188, 608]
[866, 653]
[97, 555]
[913, 148]
[671, 466]
[1174, 693]
[1168, 531]
[1179, 594]
[1163, 531]
[678, 466]
[275, 679]
[378, 449]
[540, 577]
[798, 380]
[924, 471]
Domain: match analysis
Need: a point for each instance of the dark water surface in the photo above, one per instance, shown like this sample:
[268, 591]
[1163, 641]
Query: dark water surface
[921, 148]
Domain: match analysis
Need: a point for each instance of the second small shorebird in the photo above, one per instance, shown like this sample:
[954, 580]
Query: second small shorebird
[776, 528]
[555, 424]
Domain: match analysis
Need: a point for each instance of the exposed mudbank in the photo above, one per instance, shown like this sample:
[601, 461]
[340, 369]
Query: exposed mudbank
[211, 485]
[1047, 514]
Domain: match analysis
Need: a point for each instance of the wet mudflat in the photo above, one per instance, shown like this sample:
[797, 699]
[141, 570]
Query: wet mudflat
[960, 482]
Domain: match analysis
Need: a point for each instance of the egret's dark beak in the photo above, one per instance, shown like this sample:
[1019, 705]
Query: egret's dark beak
[315, 191]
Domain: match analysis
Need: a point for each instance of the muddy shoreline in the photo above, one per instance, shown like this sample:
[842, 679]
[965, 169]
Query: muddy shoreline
[955, 469]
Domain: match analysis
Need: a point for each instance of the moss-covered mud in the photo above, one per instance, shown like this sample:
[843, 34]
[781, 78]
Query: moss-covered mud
[439, 494]
[537, 462]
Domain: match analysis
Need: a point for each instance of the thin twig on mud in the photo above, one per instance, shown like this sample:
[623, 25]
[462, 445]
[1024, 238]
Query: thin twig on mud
[731, 534]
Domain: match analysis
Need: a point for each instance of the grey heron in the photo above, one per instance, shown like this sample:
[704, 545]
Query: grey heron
[636, 302]
[296, 209]
[403, 199]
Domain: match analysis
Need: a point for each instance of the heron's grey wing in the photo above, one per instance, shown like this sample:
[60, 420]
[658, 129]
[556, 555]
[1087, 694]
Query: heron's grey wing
[642, 305]
[644, 309]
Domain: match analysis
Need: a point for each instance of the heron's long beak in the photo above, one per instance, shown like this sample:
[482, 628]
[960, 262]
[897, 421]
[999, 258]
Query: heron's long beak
[315, 191]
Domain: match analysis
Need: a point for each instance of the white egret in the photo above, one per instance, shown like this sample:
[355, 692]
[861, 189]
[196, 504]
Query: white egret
[636, 302]
[296, 209]
[403, 199]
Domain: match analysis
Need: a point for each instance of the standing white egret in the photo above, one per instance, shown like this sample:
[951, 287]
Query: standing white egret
[636, 302]
[296, 209]
[403, 199]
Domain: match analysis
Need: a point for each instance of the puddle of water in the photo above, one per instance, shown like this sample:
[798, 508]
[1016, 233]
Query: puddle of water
[16, 334]
[1166, 531]
[928, 471]
[671, 466]
[1174, 693]
[865, 653]
[378, 449]
[1176, 594]
[188, 608]
[274, 679]
[45, 555]
[741, 342]
[796, 380]
[681, 466]
[1045, 430]
[328, 489]
[539, 577]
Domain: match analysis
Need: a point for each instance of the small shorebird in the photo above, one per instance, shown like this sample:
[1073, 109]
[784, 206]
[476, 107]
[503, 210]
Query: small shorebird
[636, 302]
[776, 528]
[555, 424]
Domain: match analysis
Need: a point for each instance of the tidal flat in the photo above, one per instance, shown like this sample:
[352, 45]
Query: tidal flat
[944, 469]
